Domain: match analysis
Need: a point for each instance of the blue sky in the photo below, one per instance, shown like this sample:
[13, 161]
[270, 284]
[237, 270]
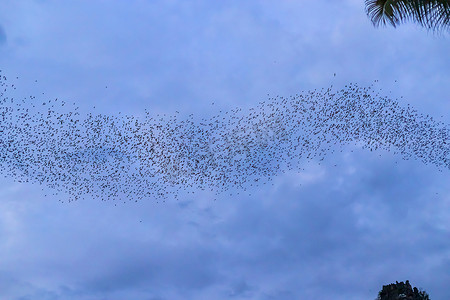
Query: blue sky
[335, 229]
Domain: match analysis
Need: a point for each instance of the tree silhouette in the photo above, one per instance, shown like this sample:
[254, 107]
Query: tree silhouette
[400, 290]
[431, 14]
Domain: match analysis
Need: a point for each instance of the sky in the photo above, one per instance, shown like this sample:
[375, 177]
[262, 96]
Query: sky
[337, 228]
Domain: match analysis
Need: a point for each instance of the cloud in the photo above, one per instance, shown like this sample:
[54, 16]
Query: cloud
[321, 232]
[2, 36]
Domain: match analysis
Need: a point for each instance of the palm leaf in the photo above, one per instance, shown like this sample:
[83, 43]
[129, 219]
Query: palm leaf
[431, 14]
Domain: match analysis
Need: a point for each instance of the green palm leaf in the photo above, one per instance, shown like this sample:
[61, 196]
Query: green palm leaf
[431, 14]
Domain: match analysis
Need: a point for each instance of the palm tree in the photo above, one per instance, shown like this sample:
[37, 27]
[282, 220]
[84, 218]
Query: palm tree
[431, 14]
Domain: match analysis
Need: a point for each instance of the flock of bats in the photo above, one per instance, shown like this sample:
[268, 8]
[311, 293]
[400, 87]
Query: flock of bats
[154, 157]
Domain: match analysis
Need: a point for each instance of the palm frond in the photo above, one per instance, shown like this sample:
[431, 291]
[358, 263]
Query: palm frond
[431, 14]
